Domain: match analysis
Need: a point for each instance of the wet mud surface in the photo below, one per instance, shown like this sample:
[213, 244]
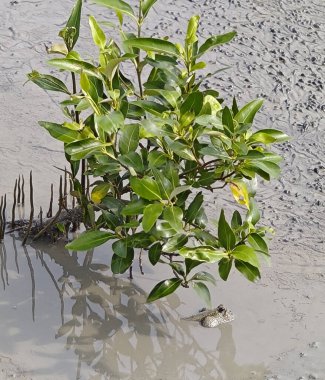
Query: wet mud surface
[278, 332]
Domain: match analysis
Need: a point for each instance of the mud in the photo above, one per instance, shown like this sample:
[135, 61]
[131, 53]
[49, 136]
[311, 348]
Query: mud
[278, 332]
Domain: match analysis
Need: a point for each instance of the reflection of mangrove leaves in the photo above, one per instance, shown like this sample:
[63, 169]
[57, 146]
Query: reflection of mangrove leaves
[67, 328]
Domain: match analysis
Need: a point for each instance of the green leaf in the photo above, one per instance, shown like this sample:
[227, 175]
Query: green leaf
[75, 66]
[253, 215]
[175, 242]
[48, 82]
[155, 253]
[74, 22]
[169, 95]
[225, 265]
[246, 254]
[150, 215]
[236, 220]
[247, 113]
[203, 253]
[146, 188]
[59, 132]
[133, 161]
[258, 243]
[272, 169]
[119, 264]
[249, 271]
[202, 291]
[121, 248]
[226, 235]
[227, 119]
[214, 41]
[192, 27]
[129, 139]
[81, 149]
[194, 208]
[154, 45]
[117, 6]
[134, 208]
[193, 103]
[165, 186]
[268, 136]
[152, 107]
[109, 123]
[97, 33]
[145, 7]
[191, 264]
[163, 289]
[89, 239]
[204, 276]
[165, 230]
[174, 216]
[156, 159]
[181, 149]
[179, 190]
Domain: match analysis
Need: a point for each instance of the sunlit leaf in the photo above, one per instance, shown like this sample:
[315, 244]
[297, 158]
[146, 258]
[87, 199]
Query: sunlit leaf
[163, 289]
[89, 239]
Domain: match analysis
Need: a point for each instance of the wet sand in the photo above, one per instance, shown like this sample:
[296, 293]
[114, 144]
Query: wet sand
[279, 331]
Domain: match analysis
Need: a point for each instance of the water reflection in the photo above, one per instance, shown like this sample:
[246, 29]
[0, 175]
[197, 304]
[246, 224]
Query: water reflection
[110, 329]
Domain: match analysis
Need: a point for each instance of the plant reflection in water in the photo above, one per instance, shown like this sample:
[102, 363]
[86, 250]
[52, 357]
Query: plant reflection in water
[113, 332]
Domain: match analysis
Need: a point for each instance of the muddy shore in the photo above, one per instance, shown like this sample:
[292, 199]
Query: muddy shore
[279, 332]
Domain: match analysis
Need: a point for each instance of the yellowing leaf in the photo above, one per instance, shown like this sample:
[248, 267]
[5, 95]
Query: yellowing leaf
[239, 191]
[99, 192]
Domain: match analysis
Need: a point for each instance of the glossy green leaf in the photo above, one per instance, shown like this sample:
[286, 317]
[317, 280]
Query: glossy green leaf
[191, 264]
[174, 216]
[89, 239]
[133, 161]
[150, 215]
[156, 159]
[75, 66]
[258, 243]
[203, 253]
[48, 82]
[129, 139]
[97, 33]
[164, 184]
[109, 123]
[74, 22]
[164, 288]
[155, 253]
[226, 235]
[146, 6]
[225, 265]
[272, 169]
[268, 136]
[253, 215]
[117, 6]
[81, 149]
[169, 95]
[154, 45]
[204, 276]
[181, 149]
[247, 113]
[120, 264]
[146, 188]
[249, 271]
[214, 41]
[175, 242]
[121, 248]
[227, 119]
[134, 207]
[194, 208]
[236, 220]
[246, 254]
[203, 292]
[59, 132]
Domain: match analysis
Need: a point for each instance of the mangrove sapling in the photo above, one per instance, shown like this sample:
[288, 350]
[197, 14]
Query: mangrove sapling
[153, 148]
